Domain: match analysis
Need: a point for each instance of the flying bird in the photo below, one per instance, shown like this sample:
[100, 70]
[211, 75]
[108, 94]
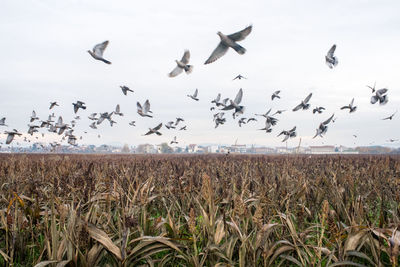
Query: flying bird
[78, 105]
[53, 104]
[125, 89]
[239, 77]
[98, 50]
[33, 116]
[372, 88]
[11, 135]
[93, 117]
[242, 121]
[170, 125]
[323, 127]
[178, 120]
[155, 130]
[182, 65]
[275, 95]
[93, 125]
[235, 104]
[143, 111]
[330, 59]
[380, 96]
[387, 118]
[304, 104]
[318, 109]
[3, 122]
[174, 141]
[194, 96]
[118, 111]
[132, 123]
[229, 41]
[350, 106]
[288, 134]
[183, 128]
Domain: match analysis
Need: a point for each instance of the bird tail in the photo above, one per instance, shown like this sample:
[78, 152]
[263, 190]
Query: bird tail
[240, 49]
[188, 69]
[105, 61]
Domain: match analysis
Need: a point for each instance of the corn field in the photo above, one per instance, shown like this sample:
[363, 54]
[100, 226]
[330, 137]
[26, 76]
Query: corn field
[200, 210]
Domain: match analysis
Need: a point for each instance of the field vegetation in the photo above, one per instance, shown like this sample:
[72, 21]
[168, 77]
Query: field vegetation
[206, 210]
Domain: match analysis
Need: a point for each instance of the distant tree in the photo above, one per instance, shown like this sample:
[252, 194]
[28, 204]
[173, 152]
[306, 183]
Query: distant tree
[125, 149]
[165, 148]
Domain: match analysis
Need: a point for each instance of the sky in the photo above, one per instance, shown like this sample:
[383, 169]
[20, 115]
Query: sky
[44, 58]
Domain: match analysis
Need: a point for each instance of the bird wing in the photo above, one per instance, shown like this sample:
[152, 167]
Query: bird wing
[158, 127]
[33, 114]
[98, 49]
[328, 120]
[139, 107]
[241, 35]
[382, 91]
[175, 72]
[238, 97]
[374, 99]
[217, 53]
[117, 109]
[195, 93]
[352, 102]
[299, 106]
[218, 98]
[308, 98]
[10, 137]
[147, 106]
[186, 57]
[331, 51]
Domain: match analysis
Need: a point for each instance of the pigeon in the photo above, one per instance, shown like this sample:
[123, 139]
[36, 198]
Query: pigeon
[350, 107]
[132, 123]
[387, 118]
[288, 134]
[3, 121]
[118, 111]
[380, 96]
[77, 117]
[143, 111]
[251, 119]
[235, 104]
[242, 121]
[304, 104]
[318, 110]
[34, 117]
[183, 128]
[219, 119]
[170, 125]
[93, 125]
[269, 119]
[155, 130]
[53, 104]
[173, 141]
[229, 41]
[32, 129]
[267, 127]
[323, 127]
[98, 50]
[392, 140]
[275, 95]
[372, 88]
[61, 126]
[178, 120]
[11, 135]
[112, 122]
[78, 105]
[125, 89]
[216, 100]
[104, 116]
[73, 123]
[212, 108]
[355, 136]
[330, 59]
[239, 77]
[194, 96]
[93, 117]
[182, 65]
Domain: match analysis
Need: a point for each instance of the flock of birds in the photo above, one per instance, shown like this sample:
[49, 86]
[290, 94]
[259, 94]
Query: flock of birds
[66, 130]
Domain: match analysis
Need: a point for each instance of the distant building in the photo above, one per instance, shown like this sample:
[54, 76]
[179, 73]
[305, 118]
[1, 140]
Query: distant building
[322, 149]
[238, 149]
[263, 150]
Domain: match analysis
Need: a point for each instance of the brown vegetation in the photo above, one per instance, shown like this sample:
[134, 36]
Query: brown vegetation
[76, 210]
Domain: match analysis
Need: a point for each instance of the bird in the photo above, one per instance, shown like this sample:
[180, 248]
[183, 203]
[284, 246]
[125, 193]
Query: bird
[275, 95]
[380, 96]
[229, 41]
[351, 107]
[125, 89]
[242, 121]
[132, 123]
[251, 119]
[194, 96]
[78, 105]
[183, 128]
[53, 104]
[174, 141]
[216, 100]
[288, 134]
[33, 117]
[372, 88]
[98, 50]
[77, 117]
[11, 135]
[104, 116]
[170, 125]
[155, 130]
[178, 120]
[93, 117]
[267, 127]
[318, 109]
[118, 111]
[392, 140]
[239, 77]
[93, 125]
[323, 127]
[330, 59]
[387, 118]
[234, 104]
[212, 108]
[3, 122]
[304, 104]
[354, 135]
[32, 129]
[143, 111]
[269, 119]
[219, 119]
[182, 65]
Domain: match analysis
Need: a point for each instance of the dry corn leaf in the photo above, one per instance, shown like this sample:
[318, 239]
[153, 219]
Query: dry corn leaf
[105, 240]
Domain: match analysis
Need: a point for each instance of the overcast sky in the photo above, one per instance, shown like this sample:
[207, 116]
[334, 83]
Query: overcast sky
[44, 59]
